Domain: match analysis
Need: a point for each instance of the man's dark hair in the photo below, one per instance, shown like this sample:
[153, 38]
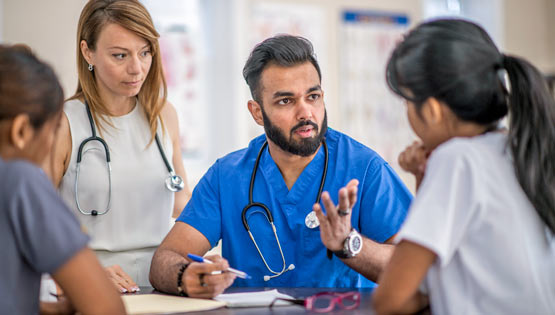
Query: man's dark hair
[281, 50]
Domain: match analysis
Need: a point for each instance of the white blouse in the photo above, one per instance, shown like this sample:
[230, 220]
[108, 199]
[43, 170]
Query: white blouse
[141, 206]
[494, 254]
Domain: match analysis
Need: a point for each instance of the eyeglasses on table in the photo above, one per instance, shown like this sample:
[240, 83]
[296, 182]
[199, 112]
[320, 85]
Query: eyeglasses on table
[323, 302]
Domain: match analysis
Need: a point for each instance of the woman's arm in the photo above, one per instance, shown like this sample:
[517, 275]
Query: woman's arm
[86, 286]
[169, 115]
[398, 289]
[56, 164]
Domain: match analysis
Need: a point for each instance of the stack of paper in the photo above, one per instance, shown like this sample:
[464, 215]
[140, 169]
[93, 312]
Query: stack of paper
[253, 299]
[159, 303]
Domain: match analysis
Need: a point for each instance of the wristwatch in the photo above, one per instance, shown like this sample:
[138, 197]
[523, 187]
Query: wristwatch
[351, 246]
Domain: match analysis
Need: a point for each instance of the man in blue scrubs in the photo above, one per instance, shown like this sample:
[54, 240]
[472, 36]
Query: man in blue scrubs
[284, 78]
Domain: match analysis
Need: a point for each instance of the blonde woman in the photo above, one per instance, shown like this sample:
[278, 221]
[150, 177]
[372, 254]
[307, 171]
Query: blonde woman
[119, 163]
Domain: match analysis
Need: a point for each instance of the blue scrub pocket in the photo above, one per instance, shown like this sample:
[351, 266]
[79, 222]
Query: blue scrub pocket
[312, 243]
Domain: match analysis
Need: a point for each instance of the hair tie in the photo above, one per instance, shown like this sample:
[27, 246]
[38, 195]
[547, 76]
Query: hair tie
[503, 77]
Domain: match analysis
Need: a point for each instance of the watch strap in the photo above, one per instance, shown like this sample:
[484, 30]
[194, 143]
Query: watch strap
[342, 254]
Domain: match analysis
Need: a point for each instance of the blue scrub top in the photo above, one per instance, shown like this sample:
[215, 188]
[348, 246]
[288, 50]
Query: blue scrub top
[220, 196]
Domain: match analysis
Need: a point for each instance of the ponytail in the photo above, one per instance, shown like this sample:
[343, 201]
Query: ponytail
[457, 62]
[532, 136]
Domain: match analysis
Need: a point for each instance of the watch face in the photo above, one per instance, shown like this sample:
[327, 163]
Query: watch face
[355, 244]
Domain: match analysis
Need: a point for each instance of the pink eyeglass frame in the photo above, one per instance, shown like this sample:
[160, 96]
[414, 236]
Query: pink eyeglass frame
[336, 298]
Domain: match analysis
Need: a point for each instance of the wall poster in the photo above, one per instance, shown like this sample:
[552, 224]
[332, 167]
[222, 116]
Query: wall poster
[370, 112]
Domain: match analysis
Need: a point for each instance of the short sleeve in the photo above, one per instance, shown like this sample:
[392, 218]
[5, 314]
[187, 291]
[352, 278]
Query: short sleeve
[46, 232]
[203, 211]
[384, 202]
[444, 205]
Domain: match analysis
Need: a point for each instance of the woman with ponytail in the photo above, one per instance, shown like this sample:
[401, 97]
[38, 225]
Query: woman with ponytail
[479, 237]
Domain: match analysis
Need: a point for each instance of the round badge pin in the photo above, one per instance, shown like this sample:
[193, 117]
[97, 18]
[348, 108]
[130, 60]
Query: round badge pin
[311, 221]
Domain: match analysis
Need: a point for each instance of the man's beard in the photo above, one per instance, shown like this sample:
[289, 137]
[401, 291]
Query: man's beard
[304, 147]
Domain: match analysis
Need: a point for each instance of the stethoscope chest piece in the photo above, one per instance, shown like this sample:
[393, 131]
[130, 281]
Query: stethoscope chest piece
[311, 221]
[174, 183]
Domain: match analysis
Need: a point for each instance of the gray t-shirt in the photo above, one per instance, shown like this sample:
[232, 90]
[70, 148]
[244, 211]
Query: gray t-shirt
[38, 234]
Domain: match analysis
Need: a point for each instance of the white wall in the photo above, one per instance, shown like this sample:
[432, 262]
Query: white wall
[50, 28]
[489, 14]
[530, 31]
[333, 8]
[1, 20]
[551, 33]
[227, 27]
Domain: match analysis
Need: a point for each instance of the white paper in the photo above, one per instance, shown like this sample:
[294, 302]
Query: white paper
[253, 299]
[162, 303]
[47, 286]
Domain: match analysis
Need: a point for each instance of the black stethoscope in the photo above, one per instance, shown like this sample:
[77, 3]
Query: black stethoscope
[311, 221]
[174, 182]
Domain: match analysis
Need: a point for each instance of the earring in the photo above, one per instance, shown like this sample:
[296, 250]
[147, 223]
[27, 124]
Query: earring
[91, 67]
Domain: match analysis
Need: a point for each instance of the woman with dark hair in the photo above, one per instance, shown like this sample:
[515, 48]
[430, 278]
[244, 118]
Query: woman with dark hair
[38, 234]
[479, 234]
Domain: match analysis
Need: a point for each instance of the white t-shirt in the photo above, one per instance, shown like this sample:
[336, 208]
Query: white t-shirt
[494, 254]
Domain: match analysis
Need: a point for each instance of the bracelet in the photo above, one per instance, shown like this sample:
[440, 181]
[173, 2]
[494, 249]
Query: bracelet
[180, 290]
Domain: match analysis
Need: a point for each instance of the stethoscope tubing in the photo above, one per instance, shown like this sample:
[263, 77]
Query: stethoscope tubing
[267, 211]
[261, 205]
[159, 144]
[94, 137]
[174, 182]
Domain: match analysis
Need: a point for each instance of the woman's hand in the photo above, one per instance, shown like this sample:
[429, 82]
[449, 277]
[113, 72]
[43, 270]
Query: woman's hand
[122, 280]
[204, 280]
[413, 160]
[335, 225]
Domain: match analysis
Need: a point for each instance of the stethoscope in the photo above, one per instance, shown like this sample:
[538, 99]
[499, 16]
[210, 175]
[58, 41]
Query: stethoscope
[311, 221]
[174, 182]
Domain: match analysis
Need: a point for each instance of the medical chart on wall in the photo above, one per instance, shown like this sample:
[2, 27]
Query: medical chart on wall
[270, 18]
[179, 24]
[370, 112]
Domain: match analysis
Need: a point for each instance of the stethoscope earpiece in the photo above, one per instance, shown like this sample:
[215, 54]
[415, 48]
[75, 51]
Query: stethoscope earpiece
[267, 278]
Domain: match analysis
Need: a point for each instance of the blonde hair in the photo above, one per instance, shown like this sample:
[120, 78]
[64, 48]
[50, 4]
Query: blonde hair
[132, 15]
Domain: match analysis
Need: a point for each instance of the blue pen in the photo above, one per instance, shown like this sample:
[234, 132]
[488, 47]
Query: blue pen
[239, 273]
